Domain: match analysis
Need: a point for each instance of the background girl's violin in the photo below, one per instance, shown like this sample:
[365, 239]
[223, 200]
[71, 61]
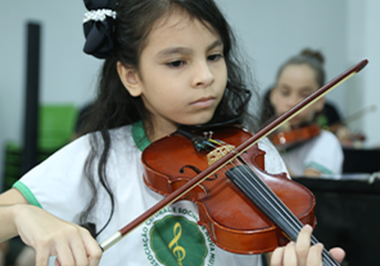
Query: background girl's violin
[347, 137]
[284, 139]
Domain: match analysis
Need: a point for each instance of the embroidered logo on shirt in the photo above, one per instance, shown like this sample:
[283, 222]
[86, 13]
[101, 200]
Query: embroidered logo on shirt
[172, 237]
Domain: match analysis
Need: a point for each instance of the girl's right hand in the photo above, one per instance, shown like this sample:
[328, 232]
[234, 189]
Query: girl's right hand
[51, 236]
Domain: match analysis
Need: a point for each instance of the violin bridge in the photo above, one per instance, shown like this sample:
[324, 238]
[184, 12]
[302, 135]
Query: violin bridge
[218, 153]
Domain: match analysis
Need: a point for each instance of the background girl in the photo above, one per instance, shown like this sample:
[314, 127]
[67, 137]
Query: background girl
[297, 78]
[168, 62]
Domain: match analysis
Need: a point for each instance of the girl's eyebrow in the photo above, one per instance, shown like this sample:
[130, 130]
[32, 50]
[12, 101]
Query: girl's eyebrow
[187, 51]
[307, 89]
[215, 44]
[303, 89]
[174, 50]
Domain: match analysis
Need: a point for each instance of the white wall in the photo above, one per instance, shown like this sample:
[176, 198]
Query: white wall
[67, 75]
[371, 124]
[363, 41]
[271, 31]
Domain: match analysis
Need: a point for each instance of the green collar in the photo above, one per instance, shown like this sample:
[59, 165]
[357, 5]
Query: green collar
[139, 136]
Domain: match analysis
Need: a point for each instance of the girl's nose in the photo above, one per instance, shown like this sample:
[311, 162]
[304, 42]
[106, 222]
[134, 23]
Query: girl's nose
[292, 101]
[203, 76]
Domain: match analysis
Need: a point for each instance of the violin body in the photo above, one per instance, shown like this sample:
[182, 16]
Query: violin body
[233, 222]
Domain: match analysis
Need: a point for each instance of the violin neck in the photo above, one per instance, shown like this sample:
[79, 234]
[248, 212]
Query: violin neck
[248, 181]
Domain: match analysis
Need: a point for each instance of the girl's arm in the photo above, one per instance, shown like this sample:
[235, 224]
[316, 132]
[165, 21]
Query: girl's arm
[45, 233]
[9, 201]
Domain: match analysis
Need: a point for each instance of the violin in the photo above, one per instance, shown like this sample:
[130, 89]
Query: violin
[285, 139]
[344, 134]
[218, 199]
[235, 156]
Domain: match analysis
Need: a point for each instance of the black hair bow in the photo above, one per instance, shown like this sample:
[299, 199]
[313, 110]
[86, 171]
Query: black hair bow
[99, 33]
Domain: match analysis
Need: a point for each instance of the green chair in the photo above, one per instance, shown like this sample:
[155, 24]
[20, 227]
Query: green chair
[57, 125]
[56, 128]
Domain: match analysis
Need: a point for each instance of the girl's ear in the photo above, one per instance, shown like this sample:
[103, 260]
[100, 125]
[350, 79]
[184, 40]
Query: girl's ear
[130, 79]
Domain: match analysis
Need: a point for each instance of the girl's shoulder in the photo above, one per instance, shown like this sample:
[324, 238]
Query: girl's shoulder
[327, 138]
[121, 132]
[59, 184]
[273, 161]
[327, 134]
[116, 135]
[80, 147]
[325, 142]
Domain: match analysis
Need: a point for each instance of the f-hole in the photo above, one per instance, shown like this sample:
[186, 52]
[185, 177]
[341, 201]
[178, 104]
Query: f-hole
[196, 170]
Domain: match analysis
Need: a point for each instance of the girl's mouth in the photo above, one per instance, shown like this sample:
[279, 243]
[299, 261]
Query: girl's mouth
[204, 102]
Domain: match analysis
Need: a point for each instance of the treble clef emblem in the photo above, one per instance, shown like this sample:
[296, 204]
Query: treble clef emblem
[178, 251]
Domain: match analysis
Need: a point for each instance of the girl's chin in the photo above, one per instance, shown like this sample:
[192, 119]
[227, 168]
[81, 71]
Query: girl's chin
[197, 120]
[194, 123]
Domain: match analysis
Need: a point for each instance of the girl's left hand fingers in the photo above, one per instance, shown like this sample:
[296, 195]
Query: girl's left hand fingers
[303, 244]
[338, 254]
[277, 255]
[290, 255]
[315, 255]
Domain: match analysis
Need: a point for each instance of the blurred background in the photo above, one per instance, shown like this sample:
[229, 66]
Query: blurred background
[345, 31]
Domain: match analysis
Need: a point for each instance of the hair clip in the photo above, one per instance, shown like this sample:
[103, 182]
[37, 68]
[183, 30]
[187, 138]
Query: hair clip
[99, 15]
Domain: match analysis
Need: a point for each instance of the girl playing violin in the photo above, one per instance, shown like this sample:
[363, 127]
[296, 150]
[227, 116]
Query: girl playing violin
[167, 62]
[321, 153]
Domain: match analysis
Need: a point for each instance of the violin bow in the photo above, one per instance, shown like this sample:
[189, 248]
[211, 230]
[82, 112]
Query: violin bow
[279, 121]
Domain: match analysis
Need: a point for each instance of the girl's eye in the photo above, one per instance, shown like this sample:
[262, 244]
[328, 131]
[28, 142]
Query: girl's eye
[304, 95]
[214, 57]
[176, 64]
[284, 93]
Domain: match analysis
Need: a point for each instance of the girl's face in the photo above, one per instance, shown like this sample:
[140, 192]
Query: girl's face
[182, 75]
[294, 84]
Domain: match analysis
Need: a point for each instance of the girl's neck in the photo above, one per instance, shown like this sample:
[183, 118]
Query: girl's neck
[156, 130]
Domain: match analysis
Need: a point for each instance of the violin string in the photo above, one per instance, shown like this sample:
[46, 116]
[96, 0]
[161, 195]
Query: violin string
[281, 209]
[270, 195]
[274, 201]
[211, 145]
[276, 204]
[271, 199]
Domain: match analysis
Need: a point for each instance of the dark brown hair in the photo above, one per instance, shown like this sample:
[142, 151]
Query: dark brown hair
[312, 58]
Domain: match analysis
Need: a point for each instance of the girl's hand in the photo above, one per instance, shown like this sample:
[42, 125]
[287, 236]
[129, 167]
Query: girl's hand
[301, 254]
[51, 236]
